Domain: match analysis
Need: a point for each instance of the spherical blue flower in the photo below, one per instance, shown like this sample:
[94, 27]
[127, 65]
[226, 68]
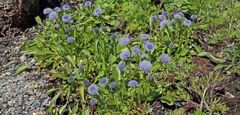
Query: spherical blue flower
[145, 66]
[162, 17]
[125, 55]
[136, 50]
[70, 39]
[165, 13]
[103, 81]
[154, 18]
[121, 66]
[57, 9]
[47, 11]
[144, 36]
[81, 68]
[65, 7]
[132, 83]
[66, 18]
[114, 35]
[95, 29]
[71, 79]
[97, 12]
[163, 23]
[104, 29]
[112, 85]
[194, 17]
[165, 58]
[93, 89]
[143, 56]
[124, 41]
[149, 46]
[87, 3]
[53, 15]
[187, 23]
[56, 26]
[179, 15]
[93, 101]
[85, 82]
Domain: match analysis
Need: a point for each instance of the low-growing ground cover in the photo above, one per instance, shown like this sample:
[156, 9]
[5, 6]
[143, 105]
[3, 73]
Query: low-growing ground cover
[139, 57]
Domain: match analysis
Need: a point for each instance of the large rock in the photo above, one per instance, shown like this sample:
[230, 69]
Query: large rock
[22, 13]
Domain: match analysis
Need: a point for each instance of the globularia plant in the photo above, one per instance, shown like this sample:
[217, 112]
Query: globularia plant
[111, 70]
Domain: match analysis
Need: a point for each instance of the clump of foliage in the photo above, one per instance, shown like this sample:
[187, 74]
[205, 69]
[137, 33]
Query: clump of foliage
[115, 56]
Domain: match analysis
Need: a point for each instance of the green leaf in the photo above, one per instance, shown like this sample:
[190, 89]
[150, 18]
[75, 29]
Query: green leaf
[86, 52]
[71, 60]
[112, 59]
[116, 73]
[53, 102]
[217, 59]
[85, 111]
[38, 20]
[62, 109]
[81, 91]
[167, 99]
[219, 66]
[203, 54]
[22, 68]
[75, 109]
[51, 91]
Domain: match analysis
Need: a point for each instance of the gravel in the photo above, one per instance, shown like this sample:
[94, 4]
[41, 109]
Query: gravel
[25, 93]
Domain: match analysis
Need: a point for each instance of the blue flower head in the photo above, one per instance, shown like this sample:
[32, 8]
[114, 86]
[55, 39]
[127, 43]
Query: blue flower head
[187, 23]
[125, 55]
[165, 13]
[56, 26]
[71, 79]
[103, 81]
[114, 35]
[66, 7]
[97, 12]
[66, 18]
[124, 41]
[53, 15]
[149, 46]
[104, 29]
[154, 18]
[95, 29]
[194, 17]
[132, 83]
[145, 66]
[93, 101]
[112, 85]
[164, 23]
[47, 11]
[57, 9]
[136, 50]
[165, 58]
[178, 15]
[87, 3]
[81, 68]
[70, 39]
[162, 17]
[93, 89]
[144, 36]
[85, 82]
[121, 66]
